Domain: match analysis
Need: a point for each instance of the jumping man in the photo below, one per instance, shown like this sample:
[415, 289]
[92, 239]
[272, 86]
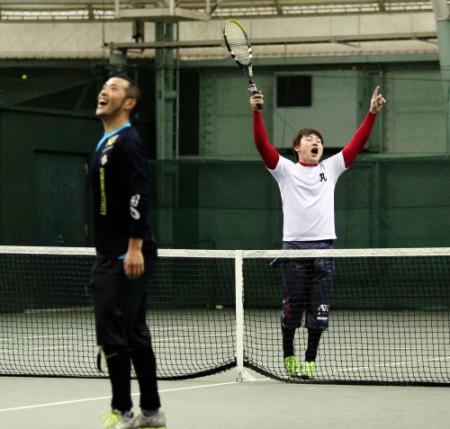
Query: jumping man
[307, 194]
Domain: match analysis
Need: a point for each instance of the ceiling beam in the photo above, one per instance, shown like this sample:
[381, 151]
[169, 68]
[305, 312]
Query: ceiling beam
[163, 14]
[101, 10]
[421, 36]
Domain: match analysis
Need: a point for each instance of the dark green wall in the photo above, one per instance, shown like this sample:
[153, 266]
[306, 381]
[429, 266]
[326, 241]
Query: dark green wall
[226, 205]
[47, 132]
[209, 204]
[22, 136]
[41, 154]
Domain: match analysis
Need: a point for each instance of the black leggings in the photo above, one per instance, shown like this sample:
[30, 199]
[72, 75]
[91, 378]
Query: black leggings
[119, 367]
[122, 332]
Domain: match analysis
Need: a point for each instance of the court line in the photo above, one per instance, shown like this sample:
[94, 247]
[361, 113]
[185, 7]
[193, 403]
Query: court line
[394, 364]
[102, 398]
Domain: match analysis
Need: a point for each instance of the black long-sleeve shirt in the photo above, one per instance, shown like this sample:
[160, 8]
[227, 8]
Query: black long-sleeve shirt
[120, 185]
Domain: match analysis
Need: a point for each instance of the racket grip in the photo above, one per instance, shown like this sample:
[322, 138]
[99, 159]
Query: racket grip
[254, 90]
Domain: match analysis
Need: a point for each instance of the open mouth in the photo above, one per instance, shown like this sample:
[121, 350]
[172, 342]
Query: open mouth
[102, 103]
[315, 151]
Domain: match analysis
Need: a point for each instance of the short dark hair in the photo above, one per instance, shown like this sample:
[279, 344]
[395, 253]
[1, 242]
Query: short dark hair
[132, 91]
[305, 132]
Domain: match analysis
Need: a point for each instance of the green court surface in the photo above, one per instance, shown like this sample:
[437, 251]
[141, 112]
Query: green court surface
[220, 402]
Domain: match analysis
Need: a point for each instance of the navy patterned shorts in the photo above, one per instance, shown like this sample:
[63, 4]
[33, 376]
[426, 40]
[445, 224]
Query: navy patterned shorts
[307, 285]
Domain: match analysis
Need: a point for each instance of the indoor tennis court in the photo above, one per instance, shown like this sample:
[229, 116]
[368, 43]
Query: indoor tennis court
[360, 83]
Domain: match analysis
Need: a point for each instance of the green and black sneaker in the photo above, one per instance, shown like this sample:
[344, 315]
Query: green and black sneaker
[292, 366]
[117, 420]
[308, 370]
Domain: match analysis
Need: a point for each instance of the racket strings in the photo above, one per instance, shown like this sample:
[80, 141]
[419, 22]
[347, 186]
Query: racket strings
[238, 43]
[242, 45]
[242, 52]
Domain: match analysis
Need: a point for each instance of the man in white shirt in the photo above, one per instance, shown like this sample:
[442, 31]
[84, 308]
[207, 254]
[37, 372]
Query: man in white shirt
[307, 194]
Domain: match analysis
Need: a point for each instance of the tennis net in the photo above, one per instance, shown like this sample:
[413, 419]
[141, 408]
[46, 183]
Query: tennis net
[212, 310]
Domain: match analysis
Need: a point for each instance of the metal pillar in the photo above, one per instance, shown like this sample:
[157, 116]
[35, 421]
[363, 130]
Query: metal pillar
[442, 15]
[117, 62]
[166, 85]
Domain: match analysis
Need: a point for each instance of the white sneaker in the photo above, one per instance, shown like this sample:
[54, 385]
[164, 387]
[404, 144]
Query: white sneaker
[152, 420]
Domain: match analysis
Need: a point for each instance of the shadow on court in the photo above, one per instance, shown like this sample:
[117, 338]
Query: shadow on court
[219, 402]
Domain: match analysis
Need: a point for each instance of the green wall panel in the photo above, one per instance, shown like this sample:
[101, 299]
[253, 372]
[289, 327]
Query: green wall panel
[22, 136]
[333, 111]
[225, 116]
[416, 227]
[413, 121]
[60, 199]
[415, 116]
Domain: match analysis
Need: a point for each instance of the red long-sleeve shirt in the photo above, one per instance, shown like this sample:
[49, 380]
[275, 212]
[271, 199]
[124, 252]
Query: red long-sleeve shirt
[270, 156]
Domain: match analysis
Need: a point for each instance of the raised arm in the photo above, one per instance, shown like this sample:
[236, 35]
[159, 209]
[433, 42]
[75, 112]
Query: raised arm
[362, 134]
[268, 153]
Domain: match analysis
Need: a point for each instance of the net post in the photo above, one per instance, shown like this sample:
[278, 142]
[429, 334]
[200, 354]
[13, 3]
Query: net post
[242, 374]
[239, 306]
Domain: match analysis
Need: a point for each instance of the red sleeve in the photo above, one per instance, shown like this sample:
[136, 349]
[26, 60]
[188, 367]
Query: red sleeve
[359, 139]
[268, 153]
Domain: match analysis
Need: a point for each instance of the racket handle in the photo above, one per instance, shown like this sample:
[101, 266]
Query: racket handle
[254, 90]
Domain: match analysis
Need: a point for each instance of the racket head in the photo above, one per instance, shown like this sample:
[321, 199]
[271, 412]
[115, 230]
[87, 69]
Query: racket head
[238, 44]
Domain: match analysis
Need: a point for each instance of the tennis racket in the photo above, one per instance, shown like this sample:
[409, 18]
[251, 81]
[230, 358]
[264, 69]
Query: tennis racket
[238, 44]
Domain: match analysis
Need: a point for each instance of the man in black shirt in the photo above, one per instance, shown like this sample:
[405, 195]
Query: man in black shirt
[125, 248]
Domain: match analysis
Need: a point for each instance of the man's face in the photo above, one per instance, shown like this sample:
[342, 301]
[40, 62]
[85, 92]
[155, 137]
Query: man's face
[112, 98]
[310, 149]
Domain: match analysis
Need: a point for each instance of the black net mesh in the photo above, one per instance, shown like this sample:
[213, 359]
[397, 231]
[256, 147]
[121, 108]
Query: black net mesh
[47, 322]
[389, 318]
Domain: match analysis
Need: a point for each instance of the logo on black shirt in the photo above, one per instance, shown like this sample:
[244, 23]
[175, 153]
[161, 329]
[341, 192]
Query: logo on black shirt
[134, 203]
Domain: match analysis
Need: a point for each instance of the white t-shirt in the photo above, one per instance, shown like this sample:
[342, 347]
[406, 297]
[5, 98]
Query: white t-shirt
[307, 194]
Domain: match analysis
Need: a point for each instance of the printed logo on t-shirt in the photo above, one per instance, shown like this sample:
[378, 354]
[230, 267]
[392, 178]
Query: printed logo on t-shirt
[134, 202]
[322, 177]
[112, 140]
[109, 144]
